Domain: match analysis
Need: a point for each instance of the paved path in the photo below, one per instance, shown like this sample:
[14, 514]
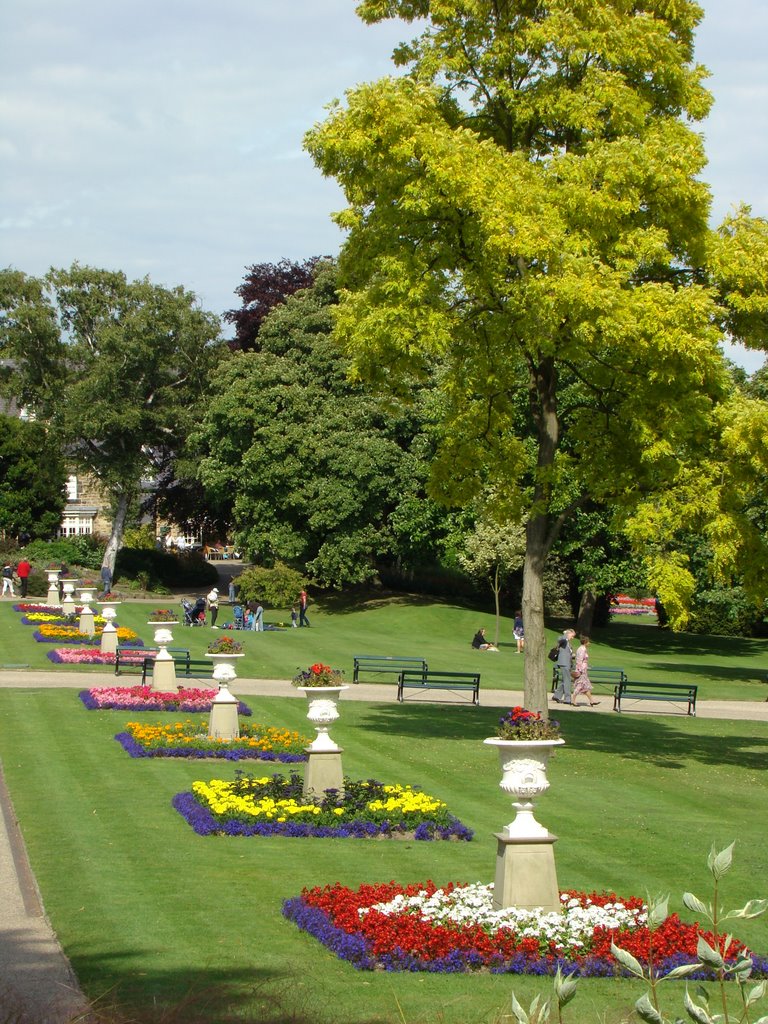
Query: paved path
[36, 981]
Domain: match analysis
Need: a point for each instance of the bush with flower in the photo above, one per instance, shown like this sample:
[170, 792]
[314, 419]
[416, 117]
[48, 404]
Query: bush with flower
[225, 645]
[144, 698]
[191, 739]
[319, 675]
[276, 806]
[521, 724]
[163, 615]
[452, 929]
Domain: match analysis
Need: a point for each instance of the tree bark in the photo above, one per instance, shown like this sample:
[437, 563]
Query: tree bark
[115, 541]
[536, 666]
[496, 589]
[539, 533]
[586, 611]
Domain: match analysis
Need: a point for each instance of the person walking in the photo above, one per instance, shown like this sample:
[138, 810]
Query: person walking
[8, 580]
[519, 632]
[581, 680]
[303, 620]
[213, 605]
[562, 694]
[23, 569]
[232, 591]
[294, 617]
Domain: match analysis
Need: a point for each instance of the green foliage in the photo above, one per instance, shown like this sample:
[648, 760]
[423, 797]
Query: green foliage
[159, 569]
[140, 537]
[278, 585]
[32, 477]
[726, 611]
[315, 466]
[116, 366]
[85, 551]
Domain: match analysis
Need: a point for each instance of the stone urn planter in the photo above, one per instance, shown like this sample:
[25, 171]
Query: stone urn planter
[322, 713]
[225, 668]
[53, 588]
[524, 777]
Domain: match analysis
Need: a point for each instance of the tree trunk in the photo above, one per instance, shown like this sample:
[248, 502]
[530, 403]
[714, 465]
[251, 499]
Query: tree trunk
[586, 612]
[115, 541]
[539, 532]
[496, 588]
[536, 664]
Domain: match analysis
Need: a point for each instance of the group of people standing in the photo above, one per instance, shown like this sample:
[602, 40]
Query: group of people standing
[574, 670]
[19, 575]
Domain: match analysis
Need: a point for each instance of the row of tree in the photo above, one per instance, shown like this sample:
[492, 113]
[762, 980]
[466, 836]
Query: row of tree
[524, 325]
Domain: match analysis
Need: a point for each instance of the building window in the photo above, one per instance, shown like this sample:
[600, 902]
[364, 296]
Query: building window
[72, 488]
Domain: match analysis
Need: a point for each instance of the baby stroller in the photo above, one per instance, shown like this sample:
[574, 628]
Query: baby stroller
[194, 614]
[239, 616]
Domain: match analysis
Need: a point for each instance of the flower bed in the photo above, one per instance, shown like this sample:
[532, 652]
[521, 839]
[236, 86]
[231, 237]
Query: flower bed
[80, 656]
[274, 806]
[144, 698]
[190, 739]
[25, 606]
[455, 929]
[52, 634]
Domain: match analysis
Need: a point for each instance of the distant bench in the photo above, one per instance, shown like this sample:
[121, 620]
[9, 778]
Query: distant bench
[389, 664]
[597, 676]
[462, 682]
[193, 668]
[679, 693]
[134, 657]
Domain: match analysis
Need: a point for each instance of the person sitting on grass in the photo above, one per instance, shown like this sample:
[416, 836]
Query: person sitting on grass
[480, 643]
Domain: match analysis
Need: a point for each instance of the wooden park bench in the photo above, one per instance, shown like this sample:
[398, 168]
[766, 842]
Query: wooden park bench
[134, 657]
[678, 693]
[465, 683]
[390, 664]
[607, 677]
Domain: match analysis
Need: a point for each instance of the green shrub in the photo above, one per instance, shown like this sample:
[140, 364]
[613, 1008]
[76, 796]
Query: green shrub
[85, 551]
[278, 587]
[726, 612]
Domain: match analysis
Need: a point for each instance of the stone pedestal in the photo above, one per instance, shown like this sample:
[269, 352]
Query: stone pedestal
[223, 723]
[86, 623]
[53, 600]
[323, 772]
[525, 873]
[109, 632]
[164, 668]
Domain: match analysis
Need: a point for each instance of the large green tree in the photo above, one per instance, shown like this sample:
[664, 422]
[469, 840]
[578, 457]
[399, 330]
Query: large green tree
[526, 209]
[32, 477]
[314, 466]
[116, 367]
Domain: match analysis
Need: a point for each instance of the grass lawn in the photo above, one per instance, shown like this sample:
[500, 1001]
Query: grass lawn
[145, 908]
[725, 668]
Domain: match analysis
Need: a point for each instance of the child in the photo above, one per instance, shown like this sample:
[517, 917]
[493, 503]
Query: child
[294, 617]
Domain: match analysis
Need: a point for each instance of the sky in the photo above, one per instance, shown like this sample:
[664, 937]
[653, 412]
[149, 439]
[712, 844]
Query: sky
[164, 137]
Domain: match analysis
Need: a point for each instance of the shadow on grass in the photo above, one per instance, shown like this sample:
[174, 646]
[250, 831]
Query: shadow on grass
[204, 995]
[670, 741]
[655, 643]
